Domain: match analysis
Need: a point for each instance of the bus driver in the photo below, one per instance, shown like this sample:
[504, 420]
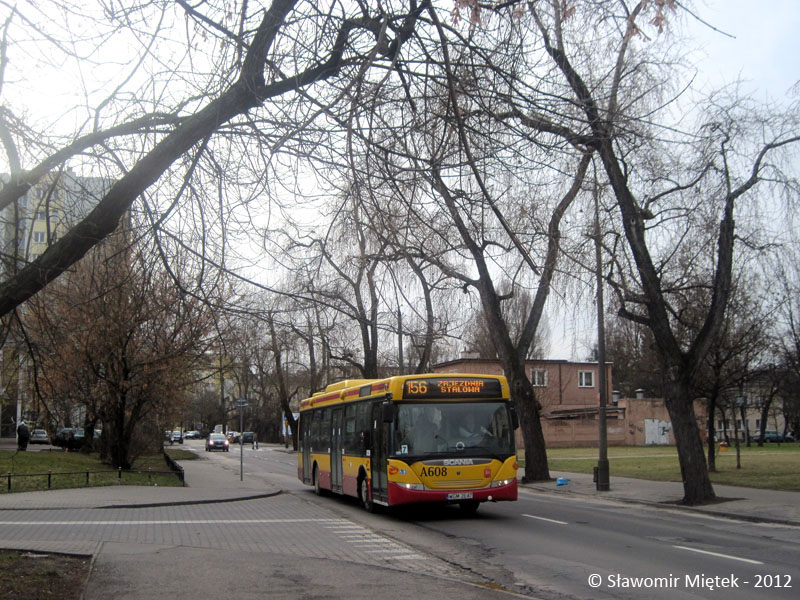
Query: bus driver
[424, 433]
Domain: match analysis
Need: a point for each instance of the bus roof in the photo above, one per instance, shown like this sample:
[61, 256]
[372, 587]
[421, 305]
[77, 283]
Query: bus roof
[426, 387]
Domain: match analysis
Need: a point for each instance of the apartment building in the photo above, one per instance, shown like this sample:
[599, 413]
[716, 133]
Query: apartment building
[27, 228]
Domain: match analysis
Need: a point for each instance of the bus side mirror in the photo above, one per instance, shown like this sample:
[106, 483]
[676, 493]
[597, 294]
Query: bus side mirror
[389, 411]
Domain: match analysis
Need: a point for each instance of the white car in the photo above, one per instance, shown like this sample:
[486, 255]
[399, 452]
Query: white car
[39, 436]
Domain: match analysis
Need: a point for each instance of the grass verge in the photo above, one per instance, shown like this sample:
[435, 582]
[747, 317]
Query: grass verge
[34, 575]
[178, 454]
[773, 466]
[33, 471]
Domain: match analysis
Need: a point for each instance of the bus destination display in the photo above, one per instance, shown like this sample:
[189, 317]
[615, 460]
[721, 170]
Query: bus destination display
[452, 387]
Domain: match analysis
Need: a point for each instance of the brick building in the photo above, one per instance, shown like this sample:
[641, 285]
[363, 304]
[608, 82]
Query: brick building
[569, 395]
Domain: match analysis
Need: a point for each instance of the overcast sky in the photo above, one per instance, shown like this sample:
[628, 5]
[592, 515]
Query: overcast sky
[764, 51]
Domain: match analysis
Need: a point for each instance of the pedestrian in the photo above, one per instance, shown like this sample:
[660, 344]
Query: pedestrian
[22, 436]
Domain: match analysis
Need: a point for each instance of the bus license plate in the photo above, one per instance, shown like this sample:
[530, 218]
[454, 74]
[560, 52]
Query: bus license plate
[460, 496]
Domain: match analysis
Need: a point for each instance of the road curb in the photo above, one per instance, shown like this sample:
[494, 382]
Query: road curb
[191, 502]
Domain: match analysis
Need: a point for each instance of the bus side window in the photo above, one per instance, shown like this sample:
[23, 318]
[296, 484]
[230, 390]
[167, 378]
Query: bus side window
[363, 426]
[351, 438]
[325, 430]
[315, 430]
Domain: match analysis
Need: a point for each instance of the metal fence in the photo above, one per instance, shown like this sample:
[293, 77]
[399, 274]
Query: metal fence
[107, 477]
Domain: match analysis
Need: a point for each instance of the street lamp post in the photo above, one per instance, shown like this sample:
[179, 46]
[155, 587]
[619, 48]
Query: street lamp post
[603, 476]
[241, 404]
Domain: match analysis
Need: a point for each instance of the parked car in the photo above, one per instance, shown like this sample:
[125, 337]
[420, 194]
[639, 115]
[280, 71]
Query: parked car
[233, 437]
[177, 436]
[191, 435]
[217, 441]
[248, 437]
[39, 436]
[70, 438]
[770, 435]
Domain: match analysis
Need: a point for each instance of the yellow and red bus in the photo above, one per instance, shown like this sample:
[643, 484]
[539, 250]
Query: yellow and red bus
[411, 439]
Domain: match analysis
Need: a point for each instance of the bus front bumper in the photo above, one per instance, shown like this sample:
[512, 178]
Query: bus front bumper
[402, 495]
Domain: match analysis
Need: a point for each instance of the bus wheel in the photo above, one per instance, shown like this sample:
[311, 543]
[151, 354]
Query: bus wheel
[317, 488]
[364, 496]
[469, 508]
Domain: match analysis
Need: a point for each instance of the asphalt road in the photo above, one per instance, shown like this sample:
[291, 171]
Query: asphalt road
[552, 546]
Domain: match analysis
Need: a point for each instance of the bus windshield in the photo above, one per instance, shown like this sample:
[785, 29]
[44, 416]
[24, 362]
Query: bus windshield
[464, 429]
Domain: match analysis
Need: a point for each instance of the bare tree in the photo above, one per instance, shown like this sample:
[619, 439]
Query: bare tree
[666, 182]
[742, 352]
[259, 64]
[116, 338]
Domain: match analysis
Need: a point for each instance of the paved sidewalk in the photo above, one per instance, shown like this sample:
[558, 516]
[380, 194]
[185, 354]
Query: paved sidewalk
[751, 504]
[275, 548]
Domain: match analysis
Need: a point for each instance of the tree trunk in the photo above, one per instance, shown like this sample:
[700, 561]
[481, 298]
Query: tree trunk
[527, 407]
[119, 440]
[712, 457]
[694, 473]
[764, 416]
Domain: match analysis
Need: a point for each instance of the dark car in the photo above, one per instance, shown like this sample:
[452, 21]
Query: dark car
[775, 436]
[248, 437]
[191, 435]
[70, 438]
[217, 441]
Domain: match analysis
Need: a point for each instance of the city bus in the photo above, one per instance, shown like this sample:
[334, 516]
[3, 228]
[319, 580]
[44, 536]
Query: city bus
[443, 438]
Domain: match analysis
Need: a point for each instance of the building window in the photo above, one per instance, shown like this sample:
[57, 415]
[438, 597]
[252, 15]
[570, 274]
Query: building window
[539, 377]
[39, 237]
[585, 379]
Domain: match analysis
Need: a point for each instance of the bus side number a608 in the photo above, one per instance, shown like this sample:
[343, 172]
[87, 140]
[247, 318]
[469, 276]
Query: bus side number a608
[434, 471]
[418, 387]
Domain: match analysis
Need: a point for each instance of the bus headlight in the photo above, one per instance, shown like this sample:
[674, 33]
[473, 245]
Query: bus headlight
[501, 483]
[412, 486]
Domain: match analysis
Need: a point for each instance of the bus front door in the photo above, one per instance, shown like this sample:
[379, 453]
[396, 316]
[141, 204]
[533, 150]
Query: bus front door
[379, 455]
[336, 450]
[305, 440]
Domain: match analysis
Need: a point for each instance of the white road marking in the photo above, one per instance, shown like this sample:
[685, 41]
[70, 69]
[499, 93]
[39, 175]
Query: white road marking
[546, 519]
[169, 522]
[728, 556]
